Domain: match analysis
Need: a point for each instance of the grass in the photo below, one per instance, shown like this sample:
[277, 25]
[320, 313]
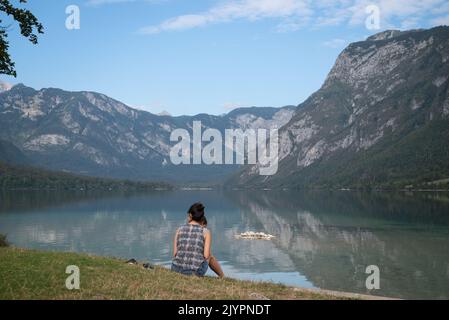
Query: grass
[29, 274]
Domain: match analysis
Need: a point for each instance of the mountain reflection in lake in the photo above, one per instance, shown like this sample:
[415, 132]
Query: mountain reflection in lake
[323, 239]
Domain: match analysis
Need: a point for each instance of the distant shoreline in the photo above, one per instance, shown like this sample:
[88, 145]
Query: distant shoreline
[24, 178]
[186, 189]
[15, 177]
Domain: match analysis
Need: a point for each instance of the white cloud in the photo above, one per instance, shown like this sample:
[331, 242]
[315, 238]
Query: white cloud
[233, 10]
[292, 15]
[182, 22]
[394, 9]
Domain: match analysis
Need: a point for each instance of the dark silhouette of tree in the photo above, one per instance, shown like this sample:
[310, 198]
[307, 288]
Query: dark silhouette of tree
[29, 27]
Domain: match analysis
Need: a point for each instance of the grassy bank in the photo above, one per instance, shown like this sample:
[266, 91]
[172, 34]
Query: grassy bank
[29, 274]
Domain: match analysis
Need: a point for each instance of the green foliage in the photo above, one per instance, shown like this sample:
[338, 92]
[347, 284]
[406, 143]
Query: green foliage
[3, 241]
[29, 26]
[21, 177]
[419, 160]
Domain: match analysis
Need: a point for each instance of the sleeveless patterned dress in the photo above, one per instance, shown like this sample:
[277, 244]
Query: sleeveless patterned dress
[190, 245]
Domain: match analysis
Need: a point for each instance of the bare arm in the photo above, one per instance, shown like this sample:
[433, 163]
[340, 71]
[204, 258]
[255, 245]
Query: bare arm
[207, 244]
[175, 244]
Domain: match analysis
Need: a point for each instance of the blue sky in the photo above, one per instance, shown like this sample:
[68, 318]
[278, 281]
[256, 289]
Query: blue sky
[189, 57]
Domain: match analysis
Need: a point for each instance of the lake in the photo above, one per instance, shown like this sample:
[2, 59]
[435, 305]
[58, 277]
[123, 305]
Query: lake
[322, 239]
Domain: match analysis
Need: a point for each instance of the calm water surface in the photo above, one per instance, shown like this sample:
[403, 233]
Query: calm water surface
[323, 239]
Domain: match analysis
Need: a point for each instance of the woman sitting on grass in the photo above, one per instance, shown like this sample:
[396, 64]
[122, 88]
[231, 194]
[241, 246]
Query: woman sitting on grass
[191, 254]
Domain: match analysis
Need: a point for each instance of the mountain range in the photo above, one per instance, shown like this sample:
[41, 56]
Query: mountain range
[91, 134]
[381, 119]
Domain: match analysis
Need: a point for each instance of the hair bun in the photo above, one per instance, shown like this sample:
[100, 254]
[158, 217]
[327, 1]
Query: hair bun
[197, 211]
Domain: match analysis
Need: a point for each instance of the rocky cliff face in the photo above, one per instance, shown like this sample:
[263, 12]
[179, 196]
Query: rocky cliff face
[90, 133]
[381, 118]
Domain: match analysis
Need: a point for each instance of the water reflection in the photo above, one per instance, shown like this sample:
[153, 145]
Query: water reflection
[332, 237]
[323, 239]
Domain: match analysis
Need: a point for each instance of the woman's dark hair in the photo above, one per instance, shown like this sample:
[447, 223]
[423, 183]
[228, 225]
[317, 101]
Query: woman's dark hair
[197, 211]
[203, 221]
